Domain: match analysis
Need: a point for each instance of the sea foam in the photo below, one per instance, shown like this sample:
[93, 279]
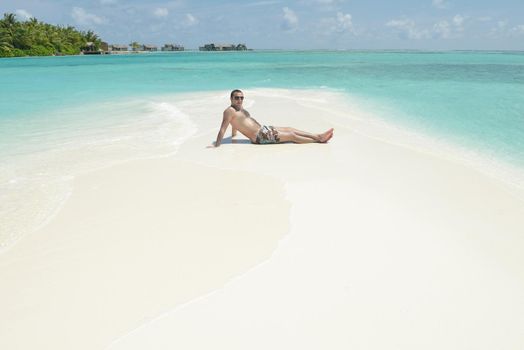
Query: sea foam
[43, 161]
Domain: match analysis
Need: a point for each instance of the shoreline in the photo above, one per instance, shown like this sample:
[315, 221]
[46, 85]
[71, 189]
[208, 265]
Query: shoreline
[343, 110]
[398, 50]
[378, 245]
[282, 244]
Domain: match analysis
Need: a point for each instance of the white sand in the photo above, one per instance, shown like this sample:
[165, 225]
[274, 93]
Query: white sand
[385, 246]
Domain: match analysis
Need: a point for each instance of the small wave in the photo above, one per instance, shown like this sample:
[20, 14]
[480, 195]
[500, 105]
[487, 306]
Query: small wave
[41, 165]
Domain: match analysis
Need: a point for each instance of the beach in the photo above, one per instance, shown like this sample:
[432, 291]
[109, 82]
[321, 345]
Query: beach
[374, 240]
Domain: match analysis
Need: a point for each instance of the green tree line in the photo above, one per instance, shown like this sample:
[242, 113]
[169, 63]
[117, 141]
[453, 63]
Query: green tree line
[35, 38]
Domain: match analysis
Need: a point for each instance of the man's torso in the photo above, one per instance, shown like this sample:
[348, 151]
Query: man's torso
[243, 122]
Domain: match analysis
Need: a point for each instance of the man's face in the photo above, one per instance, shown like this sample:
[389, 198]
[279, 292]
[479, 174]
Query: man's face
[237, 99]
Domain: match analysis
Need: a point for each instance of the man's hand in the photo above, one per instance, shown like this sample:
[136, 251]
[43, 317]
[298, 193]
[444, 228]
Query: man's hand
[213, 145]
[228, 115]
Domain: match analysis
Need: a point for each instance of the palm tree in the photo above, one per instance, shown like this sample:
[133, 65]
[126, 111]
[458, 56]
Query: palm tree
[9, 19]
[134, 45]
[5, 43]
[7, 25]
[93, 39]
[91, 36]
[21, 38]
[55, 39]
[36, 38]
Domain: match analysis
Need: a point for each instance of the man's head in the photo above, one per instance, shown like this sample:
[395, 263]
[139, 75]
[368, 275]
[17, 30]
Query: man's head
[237, 97]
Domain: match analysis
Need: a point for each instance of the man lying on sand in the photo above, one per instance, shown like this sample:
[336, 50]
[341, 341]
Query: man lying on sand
[241, 120]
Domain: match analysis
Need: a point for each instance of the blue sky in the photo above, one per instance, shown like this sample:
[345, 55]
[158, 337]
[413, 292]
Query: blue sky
[299, 24]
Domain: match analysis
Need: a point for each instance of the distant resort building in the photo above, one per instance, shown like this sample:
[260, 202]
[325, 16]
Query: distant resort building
[223, 47]
[141, 48]
[149, 48]
[90, 49]
[172, 47]
[135, 47]
[118, 48]
[144, 48]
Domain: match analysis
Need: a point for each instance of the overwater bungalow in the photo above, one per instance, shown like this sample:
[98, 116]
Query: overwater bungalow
[223, 47]
[149, 48]
[90, 49]
[172, 47]
[118, 48]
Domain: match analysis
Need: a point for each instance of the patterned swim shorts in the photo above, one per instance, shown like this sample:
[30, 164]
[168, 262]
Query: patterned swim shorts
[266, 135]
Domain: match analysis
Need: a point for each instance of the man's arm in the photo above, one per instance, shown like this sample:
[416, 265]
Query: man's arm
[228, 115]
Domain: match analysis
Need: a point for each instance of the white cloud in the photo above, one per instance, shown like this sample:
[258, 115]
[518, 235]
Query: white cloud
[503, 30]
[458, 20]
[190, 20]
[341, 23]
[449, 29]
[517, 30]
[440, 4]
[290, 20]
[499, 30]
[408, 28]
[344, 22]
[443, 29]
[161, 12]
[82, 17]
[23, 14]
[458, 23]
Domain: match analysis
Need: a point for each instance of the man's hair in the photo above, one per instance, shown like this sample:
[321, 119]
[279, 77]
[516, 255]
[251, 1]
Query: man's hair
[234, 92]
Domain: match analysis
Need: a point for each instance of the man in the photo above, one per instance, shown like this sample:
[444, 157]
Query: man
[241, 120]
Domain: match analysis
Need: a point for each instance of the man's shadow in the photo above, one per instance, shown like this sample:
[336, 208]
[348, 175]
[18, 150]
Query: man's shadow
[231, 140]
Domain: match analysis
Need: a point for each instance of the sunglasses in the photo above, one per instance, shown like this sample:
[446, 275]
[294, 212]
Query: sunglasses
[238, 97]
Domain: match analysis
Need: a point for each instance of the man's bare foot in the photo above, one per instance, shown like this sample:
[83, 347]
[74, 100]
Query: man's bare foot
[325, 137]
[329, 137]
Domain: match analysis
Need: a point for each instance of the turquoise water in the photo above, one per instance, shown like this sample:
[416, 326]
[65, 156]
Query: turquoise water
[62, 116]
[475, 99]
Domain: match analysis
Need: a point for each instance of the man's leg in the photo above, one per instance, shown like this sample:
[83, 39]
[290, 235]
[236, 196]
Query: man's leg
[289, 136]
[315, 137]
[293, 135]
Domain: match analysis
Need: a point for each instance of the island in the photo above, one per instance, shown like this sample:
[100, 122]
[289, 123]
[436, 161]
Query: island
[35, 38]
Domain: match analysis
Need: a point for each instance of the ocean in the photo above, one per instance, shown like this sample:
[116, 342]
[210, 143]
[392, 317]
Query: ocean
[61, 116]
